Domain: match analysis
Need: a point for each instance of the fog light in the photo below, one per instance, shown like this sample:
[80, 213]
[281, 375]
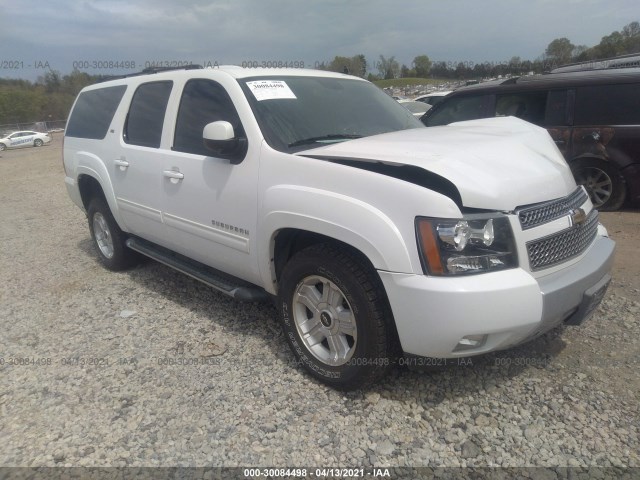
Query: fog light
[470, 342]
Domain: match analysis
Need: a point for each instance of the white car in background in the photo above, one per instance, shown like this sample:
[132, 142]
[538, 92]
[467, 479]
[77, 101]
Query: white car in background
[417, 109]
[433, 98]
[24, 138]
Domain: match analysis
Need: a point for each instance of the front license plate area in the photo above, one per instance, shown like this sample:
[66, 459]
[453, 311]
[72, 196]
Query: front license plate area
[590, 301]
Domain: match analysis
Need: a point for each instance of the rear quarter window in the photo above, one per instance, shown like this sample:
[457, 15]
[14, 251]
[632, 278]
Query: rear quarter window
[608, 105]
[93, 112]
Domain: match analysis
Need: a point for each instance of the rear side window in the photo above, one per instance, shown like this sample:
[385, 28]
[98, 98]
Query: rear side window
[146, 114]
[608, 105]
[202, 102]
[458, 109]
[93, 112]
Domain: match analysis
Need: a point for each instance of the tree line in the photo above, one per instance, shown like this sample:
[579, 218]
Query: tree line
[51, 96]
[559, 52]
[48, 99]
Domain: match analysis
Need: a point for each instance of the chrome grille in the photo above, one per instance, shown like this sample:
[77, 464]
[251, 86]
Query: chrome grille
[535, 215]
[559, 247]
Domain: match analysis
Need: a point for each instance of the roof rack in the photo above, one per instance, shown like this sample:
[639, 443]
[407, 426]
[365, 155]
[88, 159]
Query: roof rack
[622, 61]
[152, 70]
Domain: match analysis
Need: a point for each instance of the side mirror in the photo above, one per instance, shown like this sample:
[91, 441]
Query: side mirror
[220, 138]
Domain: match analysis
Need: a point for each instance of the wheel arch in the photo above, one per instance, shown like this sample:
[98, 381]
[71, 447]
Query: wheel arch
[91, 176]
[589, 156]
[618, 194]
[89, 188]
[289, 241]
[291, 233]
[293, 215]
[91, 184]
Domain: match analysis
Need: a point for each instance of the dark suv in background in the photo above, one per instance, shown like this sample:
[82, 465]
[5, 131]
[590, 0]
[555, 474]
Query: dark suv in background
[593, 116]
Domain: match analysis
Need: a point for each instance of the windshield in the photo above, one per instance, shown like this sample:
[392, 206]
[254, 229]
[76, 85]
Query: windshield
[297, 113]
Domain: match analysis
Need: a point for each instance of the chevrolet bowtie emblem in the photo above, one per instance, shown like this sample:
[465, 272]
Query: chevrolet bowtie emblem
[577, 216]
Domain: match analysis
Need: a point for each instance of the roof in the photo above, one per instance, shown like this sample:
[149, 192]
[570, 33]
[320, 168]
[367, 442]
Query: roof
[234, 71]
[586, 76]
[568, 79]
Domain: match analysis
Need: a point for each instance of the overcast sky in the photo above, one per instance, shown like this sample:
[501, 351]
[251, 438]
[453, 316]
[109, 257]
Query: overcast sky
[61, 32]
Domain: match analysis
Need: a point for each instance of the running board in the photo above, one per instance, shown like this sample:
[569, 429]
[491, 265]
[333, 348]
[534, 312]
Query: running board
[227, 284]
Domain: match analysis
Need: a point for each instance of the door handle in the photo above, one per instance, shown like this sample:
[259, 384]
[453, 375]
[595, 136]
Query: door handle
[173, 175]
[559, 142]
[121, 162]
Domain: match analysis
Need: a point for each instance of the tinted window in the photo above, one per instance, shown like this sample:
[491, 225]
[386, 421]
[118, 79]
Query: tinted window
[457, 109]
[556, 113]
[146, 114]
[93, 112]
[527, 106]
[202, 102]
[608, 105]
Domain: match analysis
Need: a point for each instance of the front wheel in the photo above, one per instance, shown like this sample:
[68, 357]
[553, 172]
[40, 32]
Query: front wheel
[3, 147]
[37, 142]
[604, 183]
[335, 317]
[108, 238]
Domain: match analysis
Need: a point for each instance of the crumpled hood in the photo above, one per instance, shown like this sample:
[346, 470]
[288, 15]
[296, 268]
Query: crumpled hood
[496, 163]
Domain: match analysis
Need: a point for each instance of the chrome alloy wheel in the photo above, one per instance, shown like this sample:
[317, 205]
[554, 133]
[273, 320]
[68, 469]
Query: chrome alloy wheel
[598, 184]
[324, 320]
[102, 235]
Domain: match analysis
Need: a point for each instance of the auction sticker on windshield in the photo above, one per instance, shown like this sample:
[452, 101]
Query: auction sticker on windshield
[270, 89]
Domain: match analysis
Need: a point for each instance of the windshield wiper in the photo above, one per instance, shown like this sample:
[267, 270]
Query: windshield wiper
[334, 136]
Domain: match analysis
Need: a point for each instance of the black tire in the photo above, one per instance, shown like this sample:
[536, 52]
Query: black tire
[603, 181]
[346, 287]
[3, 147]
[38, 143]
[104, 231]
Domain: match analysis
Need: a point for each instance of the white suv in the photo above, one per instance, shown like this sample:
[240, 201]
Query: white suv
[377, 237]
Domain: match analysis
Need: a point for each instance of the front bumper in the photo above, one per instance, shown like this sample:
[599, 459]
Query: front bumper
[433, 315]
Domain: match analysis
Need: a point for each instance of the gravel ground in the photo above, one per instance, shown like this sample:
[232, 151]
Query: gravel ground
[150, 368]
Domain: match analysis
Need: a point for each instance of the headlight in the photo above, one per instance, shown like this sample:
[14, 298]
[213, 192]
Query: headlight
[473, 244]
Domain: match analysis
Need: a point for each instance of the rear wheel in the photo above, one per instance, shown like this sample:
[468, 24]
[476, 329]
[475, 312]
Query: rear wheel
[603, 181]
[108, 238]
[335, 317]
[37, 142]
